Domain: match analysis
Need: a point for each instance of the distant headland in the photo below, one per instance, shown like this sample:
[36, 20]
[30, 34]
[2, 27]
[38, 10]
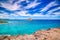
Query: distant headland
[3, 21]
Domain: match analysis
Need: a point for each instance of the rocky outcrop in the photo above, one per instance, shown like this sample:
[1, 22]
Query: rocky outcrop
[51, 34]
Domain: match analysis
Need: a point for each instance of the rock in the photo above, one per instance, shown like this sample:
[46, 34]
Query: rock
[6, 39]
[19, 37]
[51, 34]
[1, 37]
[12, 37]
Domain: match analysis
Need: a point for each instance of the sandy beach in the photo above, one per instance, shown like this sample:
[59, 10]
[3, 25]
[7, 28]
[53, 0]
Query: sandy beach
[50, 34]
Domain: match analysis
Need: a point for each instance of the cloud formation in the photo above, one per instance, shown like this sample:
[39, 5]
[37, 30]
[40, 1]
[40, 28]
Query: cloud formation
[51, 11]
[10, 6]
[18, 11]
[53, 3]
[32, 5]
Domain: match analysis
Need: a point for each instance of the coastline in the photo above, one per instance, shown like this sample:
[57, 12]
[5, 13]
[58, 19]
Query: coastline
[50, 34]
[3, 22]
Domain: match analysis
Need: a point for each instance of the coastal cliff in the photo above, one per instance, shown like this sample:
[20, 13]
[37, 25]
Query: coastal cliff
[51, 34]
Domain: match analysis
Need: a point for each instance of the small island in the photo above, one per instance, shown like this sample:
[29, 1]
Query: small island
[30, 19]
[3, 21]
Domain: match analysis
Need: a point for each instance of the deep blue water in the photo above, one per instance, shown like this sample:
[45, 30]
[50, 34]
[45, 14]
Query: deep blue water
[16, 27]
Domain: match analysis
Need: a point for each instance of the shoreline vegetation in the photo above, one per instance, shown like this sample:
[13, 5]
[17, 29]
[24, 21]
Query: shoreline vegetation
[3, 21]
[50, 34]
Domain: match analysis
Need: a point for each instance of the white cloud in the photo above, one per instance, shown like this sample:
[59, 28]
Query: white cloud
[35, 16]
[8, 16]
[48, 6]
[18, 15]
[23, 13]
[10, 6]
[10, 1]
[51, 11]
[5, 15]
[15, 15]
[18, 1]
[46, 17]
[27, 1]
[16, 5]
[32, 4]
[57, 13]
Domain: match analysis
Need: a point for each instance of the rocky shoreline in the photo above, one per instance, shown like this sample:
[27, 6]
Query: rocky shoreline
[51, 34]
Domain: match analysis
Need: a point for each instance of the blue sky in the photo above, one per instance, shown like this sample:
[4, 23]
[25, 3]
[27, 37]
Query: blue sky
[36, 9]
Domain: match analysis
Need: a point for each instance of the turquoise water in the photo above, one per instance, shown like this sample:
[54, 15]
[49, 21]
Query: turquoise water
[16, 27]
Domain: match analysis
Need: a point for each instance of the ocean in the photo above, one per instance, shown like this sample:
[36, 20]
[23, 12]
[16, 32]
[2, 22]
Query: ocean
[22, 27]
